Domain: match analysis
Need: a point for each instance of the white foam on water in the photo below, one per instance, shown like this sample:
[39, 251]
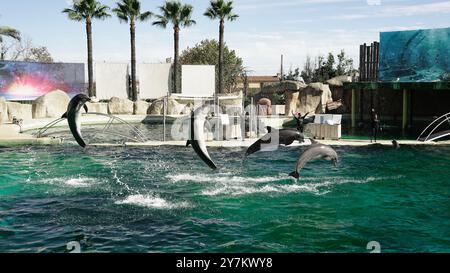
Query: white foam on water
[75, 182]
[224, 178]
[151, 201]
[317, 188]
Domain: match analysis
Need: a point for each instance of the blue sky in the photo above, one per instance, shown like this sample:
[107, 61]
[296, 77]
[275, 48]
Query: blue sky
[265, 30]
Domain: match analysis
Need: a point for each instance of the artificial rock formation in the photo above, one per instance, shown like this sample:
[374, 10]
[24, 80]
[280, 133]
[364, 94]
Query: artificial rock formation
[51, 105]
[173, 107]
[20, 111]
[97, 107]
[339, 80]
[141, 107]
[3, 110]
[311, 99]
[117, 106]
[265, 107]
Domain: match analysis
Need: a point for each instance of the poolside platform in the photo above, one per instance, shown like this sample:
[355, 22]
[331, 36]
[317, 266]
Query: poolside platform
[246, 143]
[10, 136]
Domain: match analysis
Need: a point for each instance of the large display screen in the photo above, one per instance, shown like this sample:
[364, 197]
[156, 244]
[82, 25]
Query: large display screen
[415, 56]
[28, 80]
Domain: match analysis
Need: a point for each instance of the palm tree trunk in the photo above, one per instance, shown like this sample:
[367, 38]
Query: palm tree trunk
[175, 61]
[134, 91]
[221, 49]
[90, 59]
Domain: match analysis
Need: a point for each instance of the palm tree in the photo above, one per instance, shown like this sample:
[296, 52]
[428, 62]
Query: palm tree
[8, 32]
[222, 10]
[87, 10]
[180, 16]
[129, 11]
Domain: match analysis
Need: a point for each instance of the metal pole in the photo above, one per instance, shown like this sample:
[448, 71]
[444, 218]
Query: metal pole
[164, 116]
[251, 118]
[353, 108]
[405, 109]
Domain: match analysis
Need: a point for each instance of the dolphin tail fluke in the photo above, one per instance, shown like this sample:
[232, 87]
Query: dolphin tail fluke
[64, 115]
[295, 174]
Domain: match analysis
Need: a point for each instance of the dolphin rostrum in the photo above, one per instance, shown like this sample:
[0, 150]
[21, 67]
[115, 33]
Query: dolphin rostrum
[315, 151]
[197, 135]
[285, 137]
[73, 115]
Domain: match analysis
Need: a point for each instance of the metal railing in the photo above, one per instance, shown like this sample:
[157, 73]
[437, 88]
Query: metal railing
[432, 136]
[136, 134]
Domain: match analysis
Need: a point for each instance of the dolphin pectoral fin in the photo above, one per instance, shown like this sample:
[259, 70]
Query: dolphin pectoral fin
[86, 108]
[64, 115]
[188, 143]
[295, 174]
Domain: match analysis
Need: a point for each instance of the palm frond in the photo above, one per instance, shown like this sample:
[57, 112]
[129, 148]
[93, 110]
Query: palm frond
[220, 9]
[145, 16]
[9, 32]
[161, 21]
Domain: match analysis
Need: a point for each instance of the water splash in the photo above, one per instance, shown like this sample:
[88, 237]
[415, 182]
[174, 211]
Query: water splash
[150, 201]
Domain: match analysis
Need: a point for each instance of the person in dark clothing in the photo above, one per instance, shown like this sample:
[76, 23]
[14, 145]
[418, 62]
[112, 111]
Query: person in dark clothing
[375, 126]
[301, 121]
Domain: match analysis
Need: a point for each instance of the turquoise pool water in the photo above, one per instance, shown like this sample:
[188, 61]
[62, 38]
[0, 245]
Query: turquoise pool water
[165, 200]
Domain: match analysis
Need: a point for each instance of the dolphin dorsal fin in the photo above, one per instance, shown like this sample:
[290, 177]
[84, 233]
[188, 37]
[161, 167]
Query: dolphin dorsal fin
[270, 129]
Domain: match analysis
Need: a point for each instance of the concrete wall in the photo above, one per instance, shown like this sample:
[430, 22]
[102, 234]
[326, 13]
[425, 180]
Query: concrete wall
[154, 80]
[111, 80]
[198, 80]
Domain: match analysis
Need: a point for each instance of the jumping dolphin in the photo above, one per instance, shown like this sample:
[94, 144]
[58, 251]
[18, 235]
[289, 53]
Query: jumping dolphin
[316, 151]
[285, 137]
[73, 115]
[197, 136]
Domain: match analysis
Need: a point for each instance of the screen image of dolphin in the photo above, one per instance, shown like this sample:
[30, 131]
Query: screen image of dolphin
[197, 136]
[73, 115]
[285, 137]
[315, 151]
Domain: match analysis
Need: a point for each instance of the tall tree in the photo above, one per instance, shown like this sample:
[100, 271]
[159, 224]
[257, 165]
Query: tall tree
[88, 10]
[207, 53]
[221, 10]
[129, 11]
[179, 15]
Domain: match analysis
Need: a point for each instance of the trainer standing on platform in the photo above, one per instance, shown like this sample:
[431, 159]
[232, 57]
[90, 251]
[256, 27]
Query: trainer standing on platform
[375, 126]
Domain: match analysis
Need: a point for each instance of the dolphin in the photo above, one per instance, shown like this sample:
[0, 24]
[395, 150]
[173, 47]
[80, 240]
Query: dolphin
[315, 151]
[197, 136]
[73, 115]
[395, 144]
[285, 137]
